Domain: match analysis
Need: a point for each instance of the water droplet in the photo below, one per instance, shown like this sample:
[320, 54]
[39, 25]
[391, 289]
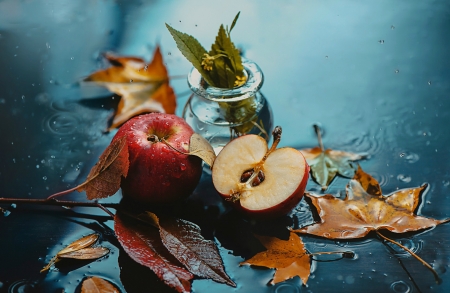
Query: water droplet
[45, 177]
[131, 80]
[13, 205]
[403, 178]
[72, 58]
[182, 167]
[381, 41]
[429, 82]
[402, 155]
[146, 67]
[37, 166]
[400, 287]
[392, 27]
[397, 70]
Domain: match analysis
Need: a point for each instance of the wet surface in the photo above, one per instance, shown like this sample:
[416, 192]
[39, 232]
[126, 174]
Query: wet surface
[375, 76]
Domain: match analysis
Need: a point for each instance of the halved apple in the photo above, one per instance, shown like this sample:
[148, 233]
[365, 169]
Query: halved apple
[259, 181]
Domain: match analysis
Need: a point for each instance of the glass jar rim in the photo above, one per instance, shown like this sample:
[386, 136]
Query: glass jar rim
[252, 85]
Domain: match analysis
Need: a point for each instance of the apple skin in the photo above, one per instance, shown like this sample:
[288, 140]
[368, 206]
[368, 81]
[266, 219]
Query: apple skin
[157, 173]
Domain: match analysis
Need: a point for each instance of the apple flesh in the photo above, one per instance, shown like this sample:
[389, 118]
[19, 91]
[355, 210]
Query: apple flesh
[158, 174]
[275, 190]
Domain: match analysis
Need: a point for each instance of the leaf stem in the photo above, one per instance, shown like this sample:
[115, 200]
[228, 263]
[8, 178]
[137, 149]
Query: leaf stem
[63, 192]
[319, 136]
[436, 276]
[348, 254]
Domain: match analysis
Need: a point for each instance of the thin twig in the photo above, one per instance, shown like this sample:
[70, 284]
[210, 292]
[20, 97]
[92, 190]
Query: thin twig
[436, 276]
[105, 210]
[54, 202]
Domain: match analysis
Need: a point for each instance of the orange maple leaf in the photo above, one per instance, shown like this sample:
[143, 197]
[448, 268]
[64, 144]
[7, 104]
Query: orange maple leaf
[365, 209]
[143, 87]
[287, 257]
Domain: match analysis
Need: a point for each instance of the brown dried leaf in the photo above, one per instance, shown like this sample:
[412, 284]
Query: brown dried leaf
[104, 178]
[184, 240]
[287, 257]
[365, 209]
[86, 253]
[98, 285]
[84, 242]
[143, 87]
[200, 147]
[143, 244]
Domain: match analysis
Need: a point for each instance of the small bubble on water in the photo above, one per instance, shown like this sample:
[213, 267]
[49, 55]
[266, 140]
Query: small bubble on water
[397, 71]
[350, 280]
[381, 41]
[392, 27]
[37, 166]
[72, 58]
[45, 177]
[402, 155]
[403, 178]
[446, 183]
[429, 82]
[400, 287]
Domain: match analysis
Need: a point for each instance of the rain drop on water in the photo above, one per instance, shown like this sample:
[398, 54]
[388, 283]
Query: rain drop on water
[400, 287]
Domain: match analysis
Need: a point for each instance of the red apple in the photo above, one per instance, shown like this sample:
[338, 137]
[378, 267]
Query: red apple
[159, 174]
[260, 182]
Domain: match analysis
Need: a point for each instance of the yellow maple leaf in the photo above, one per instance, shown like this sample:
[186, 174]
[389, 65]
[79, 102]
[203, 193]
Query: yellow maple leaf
[143, 87]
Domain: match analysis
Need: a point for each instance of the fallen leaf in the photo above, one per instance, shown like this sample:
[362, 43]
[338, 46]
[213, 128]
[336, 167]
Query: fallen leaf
[184, 240]
[98, 285]
[288, 257]
[200, 147]
[86, 253]
[143, 87]
[77, 246]
[104, 178]
[327, 163]
[365, 209]
[143, 244]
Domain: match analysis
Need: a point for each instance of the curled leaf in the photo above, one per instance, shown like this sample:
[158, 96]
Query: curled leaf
[74, 248]
[143, 244]
[287, 257]
[200, 147]
[98, 285]
[104, 178]
[184, 241]
[86, 253]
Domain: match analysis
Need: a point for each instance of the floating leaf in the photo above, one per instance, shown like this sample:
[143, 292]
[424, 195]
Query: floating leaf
[287, 257]
[184, 240]
[86, 253]
[98, 285]
[104, 178]
[365, 209]
[327, 163]
[143, 87]
[200, 147]
[76, 246]
[143, 244]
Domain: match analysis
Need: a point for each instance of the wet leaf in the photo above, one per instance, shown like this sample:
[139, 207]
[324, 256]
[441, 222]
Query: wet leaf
[365, 209]
[86, 253]
[143, 244]
[98, 285]
[288, 257]
[200, 147]
[143, 87]
[74, 247]
[327, 163]
[104, 178]
[184, 240]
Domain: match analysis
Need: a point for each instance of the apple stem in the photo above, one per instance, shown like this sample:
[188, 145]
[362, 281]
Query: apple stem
[436, 276]
[319, 136]
[276, 133]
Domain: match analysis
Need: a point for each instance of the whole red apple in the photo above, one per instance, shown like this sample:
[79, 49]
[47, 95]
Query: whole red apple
[261, 182]
[159, 174]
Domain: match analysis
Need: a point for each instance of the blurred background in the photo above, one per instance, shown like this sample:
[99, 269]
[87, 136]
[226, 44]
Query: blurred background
[375, 75]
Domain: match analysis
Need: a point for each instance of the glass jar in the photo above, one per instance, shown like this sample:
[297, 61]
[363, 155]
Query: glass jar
[220, 114]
